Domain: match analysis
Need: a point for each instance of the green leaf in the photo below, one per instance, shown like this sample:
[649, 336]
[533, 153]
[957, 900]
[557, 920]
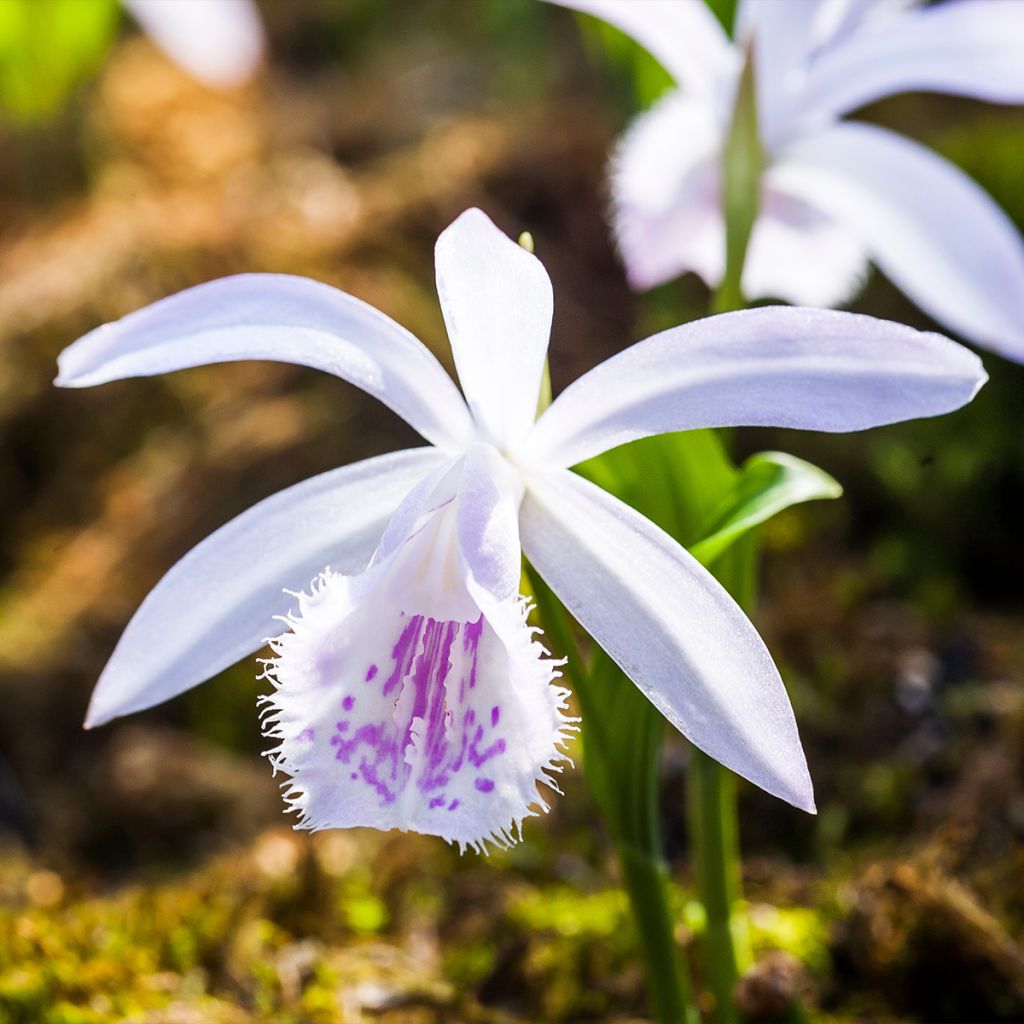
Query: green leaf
[676, 480]
[725, 12]
[768, 483]
[628, 61]
[46, 48]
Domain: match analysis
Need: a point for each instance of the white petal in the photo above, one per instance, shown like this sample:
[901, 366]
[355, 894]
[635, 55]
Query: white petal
[812, 369]
[220, 42]
[670, 626]
[682, 35]
[838, 19]
[401, 703]
[798, 253]
[934, 231]
[781, 33]
[497, 303]
[666, 192]
[220, 601]
[276, 316]
[969, 47]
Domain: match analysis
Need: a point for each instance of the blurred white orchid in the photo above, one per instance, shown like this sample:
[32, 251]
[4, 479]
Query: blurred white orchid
[409, 690]
[834, 193]
[218, 42]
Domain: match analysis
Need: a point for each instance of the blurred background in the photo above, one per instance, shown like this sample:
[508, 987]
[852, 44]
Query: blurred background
[146, 870]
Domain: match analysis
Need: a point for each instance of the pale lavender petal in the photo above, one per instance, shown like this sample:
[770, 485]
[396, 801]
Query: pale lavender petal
[838, 19]
[666, 189]
[488, 525]
[276, 316]
[682, 35]
[219, 42]
[220, 601]
[401, 702]
[798, 253]
[497, 304]
[670, 626]
[813, 369]
[781, 34]
[934, 231]
[968, 47]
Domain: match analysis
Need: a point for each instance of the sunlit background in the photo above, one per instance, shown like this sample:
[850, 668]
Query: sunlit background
[146, 869]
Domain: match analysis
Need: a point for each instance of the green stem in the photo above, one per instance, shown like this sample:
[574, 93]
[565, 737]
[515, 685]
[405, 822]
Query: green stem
[668, 984]
[711, 792]
[623, 778]
[714, 829]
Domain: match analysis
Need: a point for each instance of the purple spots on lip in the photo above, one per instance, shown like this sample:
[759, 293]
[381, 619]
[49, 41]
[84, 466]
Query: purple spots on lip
[348, 703]
[484, 785]
[306, 736]
[495, 715]
[328, 666]
[476, 759]
[370, 673]
[370, 776]
[438, 801]
[453, 805]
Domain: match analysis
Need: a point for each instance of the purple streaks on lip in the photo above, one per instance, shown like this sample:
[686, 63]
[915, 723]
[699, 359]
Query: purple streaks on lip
[471, 644]
[403, 652]
[426, 731]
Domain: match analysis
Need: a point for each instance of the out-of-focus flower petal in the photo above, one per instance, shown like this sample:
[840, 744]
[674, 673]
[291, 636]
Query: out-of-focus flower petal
[682, 35]
[219, 42]
[666, 187]
[670, 626]
[497, 303]
[813, 369]
[837, 19]
[402, 702]
[220, 601]
[969, 47]
[934, 232]
[781, 35]
[285, 318]
[798, 253]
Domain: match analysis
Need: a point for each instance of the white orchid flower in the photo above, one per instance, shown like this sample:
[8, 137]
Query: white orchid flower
[409, 691]
[218, 42]
[834, 193]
